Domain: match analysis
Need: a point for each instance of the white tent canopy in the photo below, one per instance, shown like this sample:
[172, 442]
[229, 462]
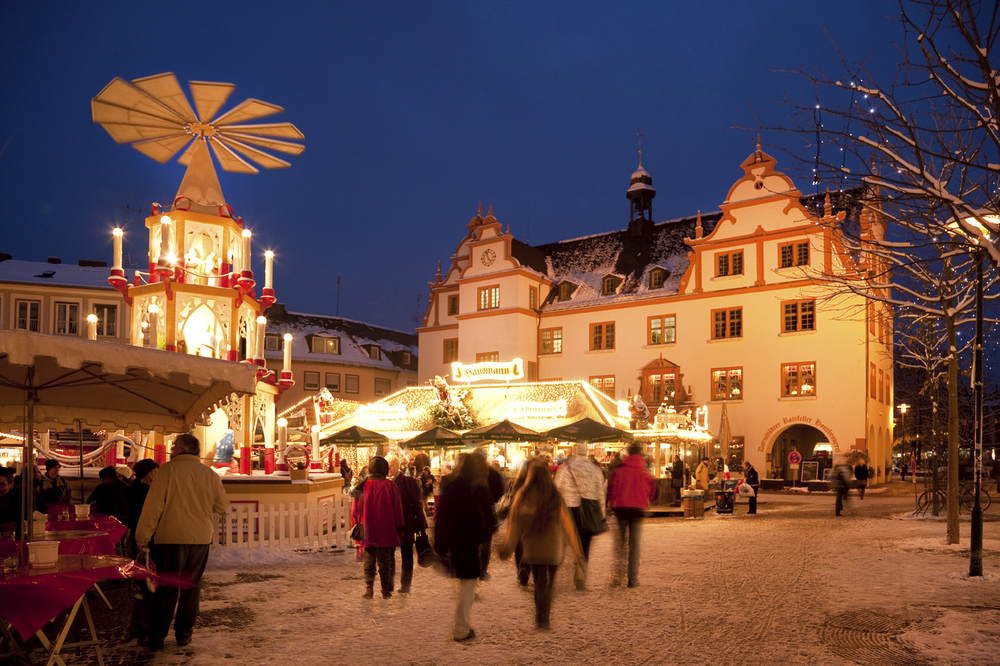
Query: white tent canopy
[110, 386]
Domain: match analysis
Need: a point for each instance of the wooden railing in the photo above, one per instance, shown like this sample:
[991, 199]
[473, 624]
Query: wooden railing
[286, 526]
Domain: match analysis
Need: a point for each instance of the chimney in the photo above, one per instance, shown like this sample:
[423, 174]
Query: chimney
[54, 260]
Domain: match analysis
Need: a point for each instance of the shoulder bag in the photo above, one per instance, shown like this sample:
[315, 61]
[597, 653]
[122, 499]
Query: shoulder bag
[591, 520]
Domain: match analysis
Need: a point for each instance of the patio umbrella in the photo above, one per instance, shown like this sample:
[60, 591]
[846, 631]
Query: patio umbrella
[355, 436]
[588, 430]
[435, 438]
[59, 379]
[725, 435]
[505, 431]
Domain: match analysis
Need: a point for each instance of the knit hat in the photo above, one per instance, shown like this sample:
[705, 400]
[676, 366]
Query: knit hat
[378, 465]
[144, 467]
[580, 448]
[52, 462]
[124, 471]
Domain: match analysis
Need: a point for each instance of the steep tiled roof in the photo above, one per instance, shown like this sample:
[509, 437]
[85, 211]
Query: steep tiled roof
[63, 275]
[624, 253]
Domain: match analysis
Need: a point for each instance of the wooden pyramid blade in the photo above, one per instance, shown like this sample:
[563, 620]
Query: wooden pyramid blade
[162, 149]
[247, 110]
[259, 156]
[279, 130]
[166, 89]
[201, 183]
[229, 160]
[209, 97]
[123, 133]
[123, 94]
[273, 144]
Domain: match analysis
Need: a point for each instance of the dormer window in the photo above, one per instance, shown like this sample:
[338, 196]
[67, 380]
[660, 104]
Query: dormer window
[374, 352]
[325, 345]
[407, 358]
[609, 284]
[657, 277]
[271, 343]
[566, 290]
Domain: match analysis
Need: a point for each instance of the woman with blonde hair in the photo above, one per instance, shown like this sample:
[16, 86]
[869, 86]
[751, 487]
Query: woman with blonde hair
[541, 523]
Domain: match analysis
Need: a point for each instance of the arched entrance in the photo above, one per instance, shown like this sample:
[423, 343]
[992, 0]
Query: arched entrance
[811, 443]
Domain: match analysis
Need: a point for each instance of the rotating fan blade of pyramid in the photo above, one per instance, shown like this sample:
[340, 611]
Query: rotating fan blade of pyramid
[155, 117]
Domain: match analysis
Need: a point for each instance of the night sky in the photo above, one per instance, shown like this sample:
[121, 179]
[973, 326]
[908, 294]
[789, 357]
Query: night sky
[413, 113]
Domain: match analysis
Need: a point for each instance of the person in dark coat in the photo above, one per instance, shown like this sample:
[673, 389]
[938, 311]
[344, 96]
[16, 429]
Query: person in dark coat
[381, 511]
[841, 485]
[496, 483]
[676, 480]
[427, 483]
[53, 488]
[752, 479]
[413, 520]
[143, 474]
[861, 477]
[345, 473]
[109, 495]
[463, 522]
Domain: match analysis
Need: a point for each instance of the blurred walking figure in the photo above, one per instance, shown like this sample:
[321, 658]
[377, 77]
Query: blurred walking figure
[752, 479]
[413, 520]
[541, 523]
[841, 484]
[579, 479]
[861, 477]
[503, 511]
[379, 508]
[427, 483]
[463, 522]
[701, 475]
[630, 490]
[676, 480]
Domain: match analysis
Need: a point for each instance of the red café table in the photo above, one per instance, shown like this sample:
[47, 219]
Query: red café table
[31, 597]
[96, 535]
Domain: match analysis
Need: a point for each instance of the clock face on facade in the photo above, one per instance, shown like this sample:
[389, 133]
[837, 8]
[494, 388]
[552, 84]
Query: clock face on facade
[488, 257]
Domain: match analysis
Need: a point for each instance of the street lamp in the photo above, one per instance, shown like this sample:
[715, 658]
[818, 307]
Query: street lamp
[902, 427]
[976, 532]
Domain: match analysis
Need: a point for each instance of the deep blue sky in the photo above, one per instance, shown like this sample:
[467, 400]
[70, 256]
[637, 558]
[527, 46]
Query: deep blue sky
[413, 112]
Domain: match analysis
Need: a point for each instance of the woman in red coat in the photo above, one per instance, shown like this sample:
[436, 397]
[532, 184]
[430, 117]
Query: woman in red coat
[379, 509]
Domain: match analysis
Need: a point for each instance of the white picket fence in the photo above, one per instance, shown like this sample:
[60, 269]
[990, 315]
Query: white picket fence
[286, 526]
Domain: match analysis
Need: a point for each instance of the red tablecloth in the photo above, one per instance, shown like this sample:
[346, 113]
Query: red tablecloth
[32, 596]
[105, 545]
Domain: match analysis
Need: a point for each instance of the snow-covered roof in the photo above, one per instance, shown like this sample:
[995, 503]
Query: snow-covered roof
[63, 275]
[586, 261]
[356, 339]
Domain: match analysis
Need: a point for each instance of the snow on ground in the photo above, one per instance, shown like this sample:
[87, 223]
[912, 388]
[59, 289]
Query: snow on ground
[791, 585]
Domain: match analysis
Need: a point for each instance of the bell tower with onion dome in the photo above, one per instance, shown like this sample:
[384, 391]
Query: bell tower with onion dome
[640, 194]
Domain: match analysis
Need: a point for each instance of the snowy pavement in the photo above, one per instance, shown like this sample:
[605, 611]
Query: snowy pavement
[791, 585]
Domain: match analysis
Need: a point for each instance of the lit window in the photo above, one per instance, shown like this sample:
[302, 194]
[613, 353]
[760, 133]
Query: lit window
[727, 384]
[565, 291]
[729, 263]
[605, 384]
[107, 318]
[375, 352]
[488, 357]
[27, 315]
[352, 383]
[662, 330]
[798, 316]
[793, 254]
[881, 384]
[727, 323]
[453, 305]
[798, 379]
[661, 388]
[322, 345]
[310, 381]
[872, 380]
[602, 336]
[382, 386]
[67, 318]
[532, 298]
[333, 381]
[550, 341]
[609, 285]
[489, 298]
[451, 350]
[657, 277]
[272, 343]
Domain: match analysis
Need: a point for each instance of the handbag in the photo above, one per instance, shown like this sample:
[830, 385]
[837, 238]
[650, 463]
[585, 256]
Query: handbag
[592, 521]
[425, 554]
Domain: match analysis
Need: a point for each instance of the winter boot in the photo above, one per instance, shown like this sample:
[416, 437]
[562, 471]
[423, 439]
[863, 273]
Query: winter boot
[369, 590]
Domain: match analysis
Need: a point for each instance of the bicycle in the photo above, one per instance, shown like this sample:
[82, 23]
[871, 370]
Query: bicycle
[966, 500]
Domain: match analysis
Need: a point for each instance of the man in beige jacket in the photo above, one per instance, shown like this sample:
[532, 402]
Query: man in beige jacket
[176, 527]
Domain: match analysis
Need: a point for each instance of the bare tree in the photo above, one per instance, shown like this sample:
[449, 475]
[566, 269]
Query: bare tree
[921, 155]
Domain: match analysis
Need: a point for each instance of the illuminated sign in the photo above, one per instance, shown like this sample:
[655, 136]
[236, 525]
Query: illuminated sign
[489, 370]
[536, 410]
[383, 412]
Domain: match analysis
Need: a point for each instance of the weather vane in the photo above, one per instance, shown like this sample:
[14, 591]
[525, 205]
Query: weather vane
[640, 135]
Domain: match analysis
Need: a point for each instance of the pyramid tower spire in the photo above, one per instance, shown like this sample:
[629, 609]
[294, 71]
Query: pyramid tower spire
[200, 185]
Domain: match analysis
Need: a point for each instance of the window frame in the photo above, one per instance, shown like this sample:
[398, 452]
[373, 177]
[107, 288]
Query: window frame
[450, 345]
[872, 379]
[72, 321]
[107, 319]
[554, 341]
[727, 323]
[656, 390]
[357, 383]
[785, 392]
[729, 389]
[661, 319]
[375, 352]
[332, 387]
[488, 357]
[532, 298]
[326, 341]
[386, 383]
[28, 319]
[602, 384]
[798, 303]
[605, 336]
[730, 261]
[795, 250]
[308, 385]
[453, 305]
[272, 342]
[657, 275]
[488, 298]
